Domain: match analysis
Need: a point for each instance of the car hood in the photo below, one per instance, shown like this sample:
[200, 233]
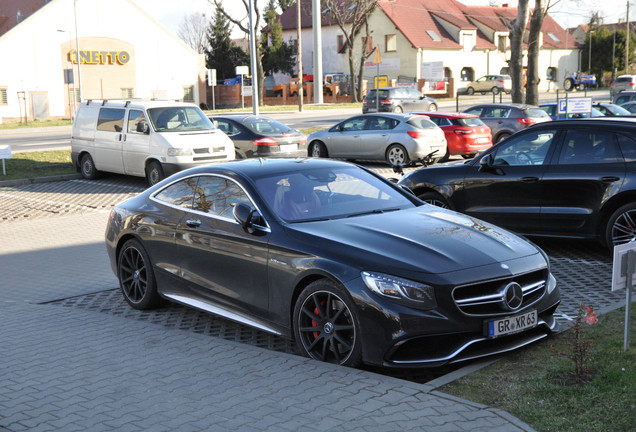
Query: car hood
[423, 239]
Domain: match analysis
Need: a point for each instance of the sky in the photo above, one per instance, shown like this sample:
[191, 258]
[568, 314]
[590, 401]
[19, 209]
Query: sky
[568, 13]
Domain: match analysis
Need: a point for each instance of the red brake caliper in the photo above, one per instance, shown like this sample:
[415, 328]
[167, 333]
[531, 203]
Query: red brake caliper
[315, 323]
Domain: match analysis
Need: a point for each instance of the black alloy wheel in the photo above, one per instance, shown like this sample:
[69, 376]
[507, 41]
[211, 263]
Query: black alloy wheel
[435, 199]
[136, 278]
[621, 226]
[325, 325]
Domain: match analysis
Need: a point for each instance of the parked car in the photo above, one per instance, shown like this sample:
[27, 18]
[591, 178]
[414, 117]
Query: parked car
[507, 118]
[630, 106]
[394, 138]
[466, 135]
[624, 96]
[397, 100]
[151, 139]
[353, 267]
[624, 82]
[553, 112]
[490, 83]
[567, 178]
[611, 110]
[258, 136]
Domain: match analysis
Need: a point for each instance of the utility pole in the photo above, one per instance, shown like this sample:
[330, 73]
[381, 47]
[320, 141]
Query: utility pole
[299, 58]
[317, 28]
[627, 40]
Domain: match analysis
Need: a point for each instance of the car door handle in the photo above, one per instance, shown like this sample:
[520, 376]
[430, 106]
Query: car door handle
[529, 179]
[193, 223]
[609, 179]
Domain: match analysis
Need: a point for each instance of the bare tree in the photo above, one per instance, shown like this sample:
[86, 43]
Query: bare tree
[193, 31]
[517, 34]
[245, 29]
[534, 39]
[352, 18]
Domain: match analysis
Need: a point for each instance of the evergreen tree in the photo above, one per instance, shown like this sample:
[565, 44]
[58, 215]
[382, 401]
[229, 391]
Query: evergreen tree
[223, 55]
[278, 56]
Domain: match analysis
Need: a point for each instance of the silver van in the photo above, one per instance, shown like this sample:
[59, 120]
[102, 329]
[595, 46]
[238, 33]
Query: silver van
[151, 139]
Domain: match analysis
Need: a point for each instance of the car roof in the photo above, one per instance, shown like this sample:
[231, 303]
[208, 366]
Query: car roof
[397, 116]
[446, 114]
[627, 121]
[136, 103]
[237, 117]
[504, 105]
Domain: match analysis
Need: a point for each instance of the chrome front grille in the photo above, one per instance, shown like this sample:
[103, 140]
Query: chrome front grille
[487, 298]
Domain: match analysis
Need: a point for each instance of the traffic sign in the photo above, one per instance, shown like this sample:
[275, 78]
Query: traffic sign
[575, 105]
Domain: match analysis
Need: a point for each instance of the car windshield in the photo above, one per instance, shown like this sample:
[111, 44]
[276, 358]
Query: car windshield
[471, 121]
[328, 193]
[265, 126]
[179, 119]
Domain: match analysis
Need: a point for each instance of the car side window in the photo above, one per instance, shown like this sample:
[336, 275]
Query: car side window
[111, 119]
[226, 127]
[628, 147]
[475, 111]
[527, 149]
[179, 193]
[218, 196]
[380, 123]
[137, 122]
[585, 146]
[355, 124]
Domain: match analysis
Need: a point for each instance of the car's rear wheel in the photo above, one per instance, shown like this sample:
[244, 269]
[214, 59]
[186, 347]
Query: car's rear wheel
[434, 198]
[325, 324]
[502, 137]
[495, 90]
[318, 149]
[136, 278]
[398, 109]
[621, 226]
[446, 155]
[396, 155]
[154, 173]
[87, 167]
[470, 91]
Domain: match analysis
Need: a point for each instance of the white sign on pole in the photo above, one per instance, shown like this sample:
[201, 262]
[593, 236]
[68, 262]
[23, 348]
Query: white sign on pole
[619, 271]
[247, 90]
[575, 105]
[242, 70]
[5, 153]
[212, 77]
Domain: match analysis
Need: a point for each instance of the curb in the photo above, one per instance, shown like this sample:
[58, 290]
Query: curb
[21, 182]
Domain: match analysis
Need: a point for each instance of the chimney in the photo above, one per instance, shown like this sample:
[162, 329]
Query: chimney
[504, 5]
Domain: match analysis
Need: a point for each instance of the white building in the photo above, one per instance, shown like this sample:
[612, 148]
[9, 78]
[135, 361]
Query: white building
[123, 53]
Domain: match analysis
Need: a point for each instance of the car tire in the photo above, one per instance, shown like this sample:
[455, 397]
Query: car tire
[446, 156]
[154, 173]
[621, 226]
[432, 107]
[325, 324]
[136, 278]
[398, 110]
[317, 149]
[396, 155]
[502, 137]
[87, 167]
[470, 91]
[495, 90]
[433, 198]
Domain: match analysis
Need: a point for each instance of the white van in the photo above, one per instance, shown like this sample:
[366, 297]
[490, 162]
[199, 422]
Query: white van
[151, 139]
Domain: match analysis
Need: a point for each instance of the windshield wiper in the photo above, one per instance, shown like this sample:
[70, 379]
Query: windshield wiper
[376, 211]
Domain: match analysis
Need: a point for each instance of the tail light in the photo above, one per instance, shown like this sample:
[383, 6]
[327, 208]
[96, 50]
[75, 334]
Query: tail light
[303, 140]
[463, 131]
[416, 134]
[265, 142]
[386, 101]
[527, 121]
[612, 85]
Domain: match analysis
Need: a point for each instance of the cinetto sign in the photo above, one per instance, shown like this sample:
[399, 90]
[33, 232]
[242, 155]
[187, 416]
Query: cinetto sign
[100, 57]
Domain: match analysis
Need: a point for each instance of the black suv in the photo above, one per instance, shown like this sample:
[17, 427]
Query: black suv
[397, 100]
[566, 178]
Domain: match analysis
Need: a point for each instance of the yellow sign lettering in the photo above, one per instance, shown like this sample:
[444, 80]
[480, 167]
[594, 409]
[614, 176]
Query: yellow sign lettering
[99, 57]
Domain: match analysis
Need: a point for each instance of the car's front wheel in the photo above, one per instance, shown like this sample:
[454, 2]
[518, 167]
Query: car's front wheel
[396, 155]
[398, 109]
[136, 278]
[434, 198]
[154, 173]
[325, 324]
[621, 226]
[432, 107]
[318, 149]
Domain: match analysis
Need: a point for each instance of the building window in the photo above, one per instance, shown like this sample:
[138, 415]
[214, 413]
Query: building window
[433, 35]
[74, 95]
[341, 44]
[391, 43]
[127, 93]
[551, 74]
[468, 42]
[3, 96]
[502, 43]
[468, 74]
[188, 94]
[448, 74]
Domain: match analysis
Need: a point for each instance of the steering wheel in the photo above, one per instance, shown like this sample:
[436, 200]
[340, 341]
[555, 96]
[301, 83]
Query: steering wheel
[526, 156]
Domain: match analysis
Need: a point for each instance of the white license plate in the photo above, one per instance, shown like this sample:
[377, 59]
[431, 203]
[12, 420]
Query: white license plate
[481, 140]
[288, 147]
[513, 324]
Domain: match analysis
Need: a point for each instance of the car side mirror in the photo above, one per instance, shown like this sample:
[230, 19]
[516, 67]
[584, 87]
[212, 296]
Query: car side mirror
[486, 162]
[143, 128]
[247, 217]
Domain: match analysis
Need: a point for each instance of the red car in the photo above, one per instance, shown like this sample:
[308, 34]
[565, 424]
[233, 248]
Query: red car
[466, 134]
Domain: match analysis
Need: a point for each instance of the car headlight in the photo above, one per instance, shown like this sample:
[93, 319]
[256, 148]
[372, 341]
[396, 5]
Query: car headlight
[174, 151]
[402, 289]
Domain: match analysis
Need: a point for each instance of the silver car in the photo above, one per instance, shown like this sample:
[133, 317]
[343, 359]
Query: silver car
[393, 138]
[490, 83]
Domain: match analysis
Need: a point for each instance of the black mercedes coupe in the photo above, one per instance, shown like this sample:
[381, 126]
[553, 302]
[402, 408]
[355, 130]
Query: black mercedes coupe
[354, 267]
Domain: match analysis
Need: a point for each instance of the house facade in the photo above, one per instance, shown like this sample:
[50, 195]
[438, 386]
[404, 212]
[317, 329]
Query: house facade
[437, 40]
[123, 53]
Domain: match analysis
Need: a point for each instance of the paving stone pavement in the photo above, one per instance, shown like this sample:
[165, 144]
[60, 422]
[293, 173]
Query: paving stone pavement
[67, 369]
